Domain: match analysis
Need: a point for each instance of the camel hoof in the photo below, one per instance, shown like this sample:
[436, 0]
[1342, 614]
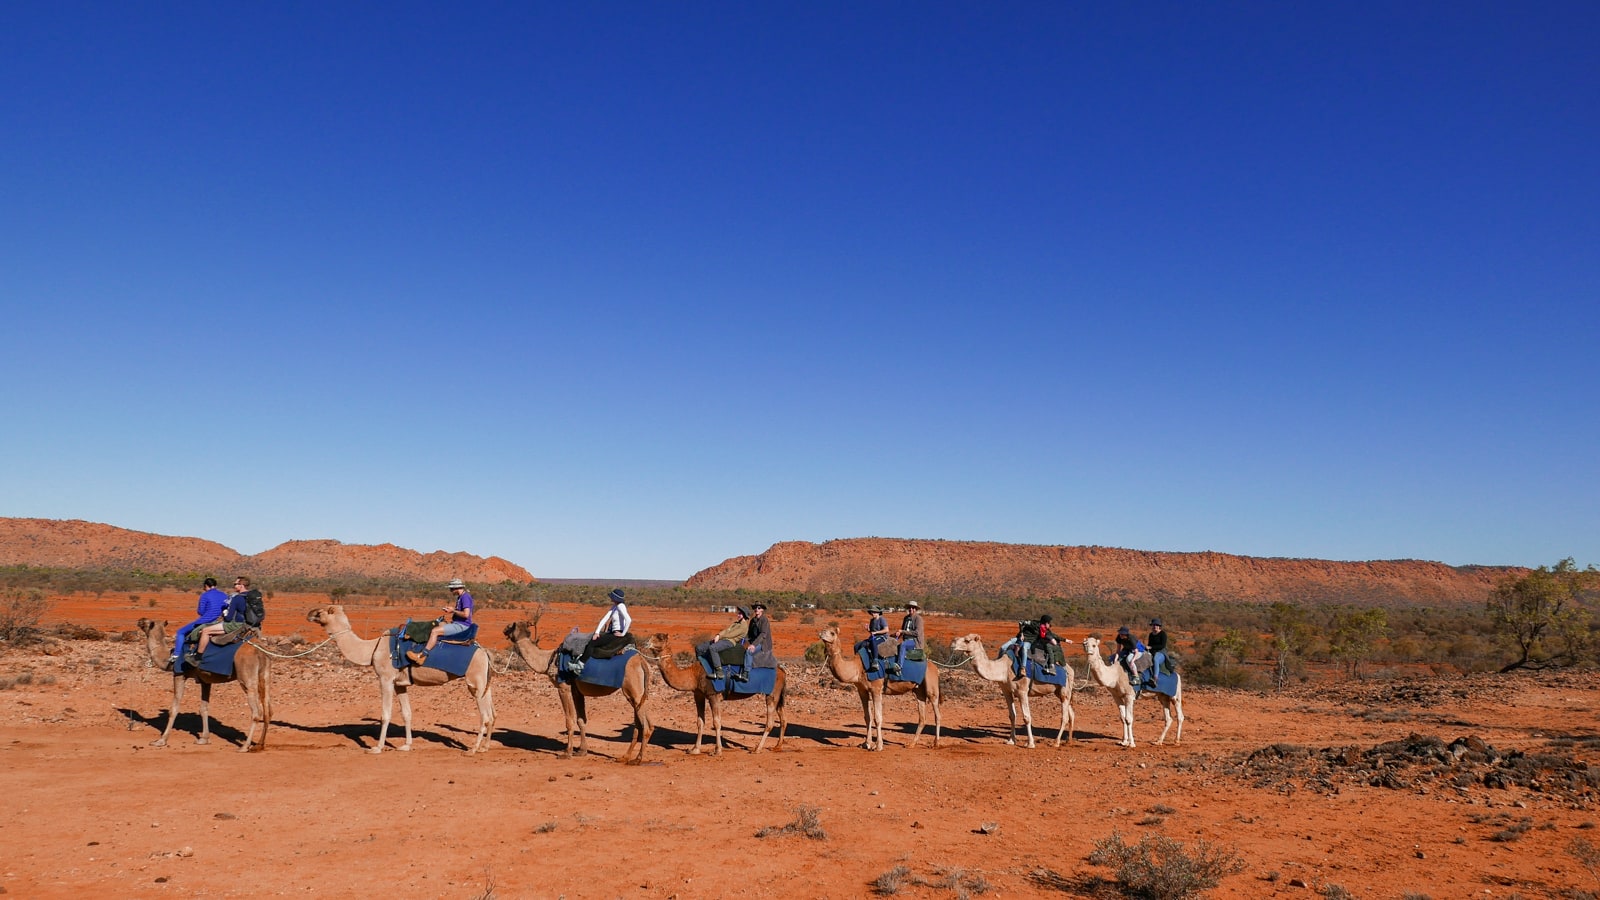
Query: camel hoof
[377, 749]
[632, 762]
[404, 748]
[202, 741]
[695, 752]
[159, 742]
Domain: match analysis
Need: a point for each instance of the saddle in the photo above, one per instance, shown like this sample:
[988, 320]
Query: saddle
[229, 637]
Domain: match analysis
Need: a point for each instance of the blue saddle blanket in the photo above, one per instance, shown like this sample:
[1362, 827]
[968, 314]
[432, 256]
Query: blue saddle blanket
[218, 660]
[598, 672]
[912, 671]
[1159, 679]
[761, 681]
[450, 658]
[1037, 673]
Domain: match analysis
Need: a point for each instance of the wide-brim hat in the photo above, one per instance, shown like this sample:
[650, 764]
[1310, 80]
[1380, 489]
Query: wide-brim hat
[1155, 623]
[874, 609]
[616, 595]
[456, 583]
[912, 604]
[1124, 630]
[742, 611]
[758, 605]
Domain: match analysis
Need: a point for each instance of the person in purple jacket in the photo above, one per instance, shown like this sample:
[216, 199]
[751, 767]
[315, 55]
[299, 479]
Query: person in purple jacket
[209, 609]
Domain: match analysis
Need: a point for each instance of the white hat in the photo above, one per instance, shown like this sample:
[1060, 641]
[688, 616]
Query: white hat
[455, 583]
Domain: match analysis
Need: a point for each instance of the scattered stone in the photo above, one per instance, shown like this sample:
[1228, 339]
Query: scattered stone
[225, 816]
[989, 828]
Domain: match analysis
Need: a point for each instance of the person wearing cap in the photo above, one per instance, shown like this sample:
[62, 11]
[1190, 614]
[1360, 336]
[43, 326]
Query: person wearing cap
[233, 618]
[1047, 640]
[611, 635]
[1128, 652]
[728, 637]
[209, 610]
[1157, 645]
[910, 635]
[757, 639]
[877, 632]
[456, 619]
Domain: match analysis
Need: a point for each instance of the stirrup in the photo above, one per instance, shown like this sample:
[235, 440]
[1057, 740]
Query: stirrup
[418, 658]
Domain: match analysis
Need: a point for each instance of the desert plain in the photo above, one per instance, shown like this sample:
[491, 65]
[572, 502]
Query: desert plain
[1429, 786]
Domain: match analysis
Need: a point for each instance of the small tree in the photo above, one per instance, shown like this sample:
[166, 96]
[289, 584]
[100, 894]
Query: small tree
[1353, 635]
[20, 614]
[1291, 635]
[1542, 615]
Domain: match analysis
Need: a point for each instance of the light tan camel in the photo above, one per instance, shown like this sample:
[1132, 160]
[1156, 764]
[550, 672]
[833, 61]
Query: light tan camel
[1114, 679]
[251, 668]
[1017, 689]
[374, 653]
[693, 678]
[847, 669]
[635, 688]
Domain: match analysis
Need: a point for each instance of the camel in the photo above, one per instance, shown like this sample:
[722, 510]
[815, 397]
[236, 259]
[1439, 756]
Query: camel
[846, 668]
[635, 688]
[1017, 689]
[251, 668]
[374, 654]
[693, 678]
[1114, 679]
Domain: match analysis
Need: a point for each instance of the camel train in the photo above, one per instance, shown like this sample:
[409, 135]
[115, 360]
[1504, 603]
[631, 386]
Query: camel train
[253, 673]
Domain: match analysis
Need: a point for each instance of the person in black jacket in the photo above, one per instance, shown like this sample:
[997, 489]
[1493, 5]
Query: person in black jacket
[757, 639]
[233, 617]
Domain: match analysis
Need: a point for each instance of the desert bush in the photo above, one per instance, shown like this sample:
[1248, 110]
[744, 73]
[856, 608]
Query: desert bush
[20, 612]
[890, 882]
[817, 653]
[1163, 869]
[806, 823]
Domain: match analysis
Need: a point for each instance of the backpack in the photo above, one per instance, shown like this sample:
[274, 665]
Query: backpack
[1029, 630]
[255, 610]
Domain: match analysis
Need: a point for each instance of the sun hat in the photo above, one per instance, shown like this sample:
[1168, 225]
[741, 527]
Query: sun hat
[913, 604]
[456, 583]
[758, 605]
[874, 609]
[616, 595]
[1155, 623]
[1124, 630]
[742, 611]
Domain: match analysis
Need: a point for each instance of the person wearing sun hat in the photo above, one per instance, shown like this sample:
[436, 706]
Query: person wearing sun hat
[456, 619]
[611, 635]
[877, 633]
[910, 634]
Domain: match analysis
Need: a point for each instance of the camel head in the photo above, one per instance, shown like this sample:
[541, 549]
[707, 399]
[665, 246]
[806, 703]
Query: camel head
[1091, 645]
[146, 624]
[829, 635]
[970, 643]
[520, 631]
[660, 641]
[328, 616]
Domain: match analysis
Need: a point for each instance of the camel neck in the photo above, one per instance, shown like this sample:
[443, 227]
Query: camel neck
[679, 678]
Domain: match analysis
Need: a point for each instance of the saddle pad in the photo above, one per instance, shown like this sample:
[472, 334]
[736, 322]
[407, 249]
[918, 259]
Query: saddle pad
[864, 653]
[762, 681]
[417, 632]
[1037, 674]
[607, 672]
[733, 656]
[912, 672]
[219, 660]
[1165, 682]
[450, 658]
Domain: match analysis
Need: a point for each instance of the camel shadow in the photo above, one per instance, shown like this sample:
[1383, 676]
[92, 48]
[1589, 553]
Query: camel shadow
[186, 723]
[512, 739]
[350, 732]
[828, 737]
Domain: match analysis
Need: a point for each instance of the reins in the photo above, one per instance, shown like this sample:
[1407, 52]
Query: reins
[252, 642]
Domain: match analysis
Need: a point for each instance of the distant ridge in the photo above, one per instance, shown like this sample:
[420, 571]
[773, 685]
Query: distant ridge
[76, 544]
[979, 569]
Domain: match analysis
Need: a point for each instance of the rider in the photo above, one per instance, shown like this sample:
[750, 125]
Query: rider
[1129, 651]
[910, 634]
[457, 618]
[1157, 645]
[877, 631]
[611, 635]
[757, 639]
[208, 610]
[1047, 640]
[728, 637]
[233, 619]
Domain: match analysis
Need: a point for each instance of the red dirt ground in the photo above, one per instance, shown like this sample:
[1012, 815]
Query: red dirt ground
[91, 808]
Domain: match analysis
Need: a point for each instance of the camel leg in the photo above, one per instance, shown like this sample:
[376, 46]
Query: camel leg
[922, 713]
[1127, 723]
[716, 723]
[646, 728]
[1066, 718]
[1027, 715]
[866, 715]
[938, 721]
[1171, 708]
[783, 714]
[172, 714]
[251, 689]
[580, 710]
[205, 713]
[404, 693]
[1011, 711]
[386, 708]
[766, 727]
[699, 722]
[485, 718]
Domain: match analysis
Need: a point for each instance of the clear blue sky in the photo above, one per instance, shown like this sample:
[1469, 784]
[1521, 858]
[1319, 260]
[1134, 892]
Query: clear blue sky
[625, 289]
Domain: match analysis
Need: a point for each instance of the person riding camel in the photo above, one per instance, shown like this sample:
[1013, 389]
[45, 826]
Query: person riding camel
[910, 634]
[757, 639]
[727, 638]
[457, 619]
[877, 633]
[1129, 651]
